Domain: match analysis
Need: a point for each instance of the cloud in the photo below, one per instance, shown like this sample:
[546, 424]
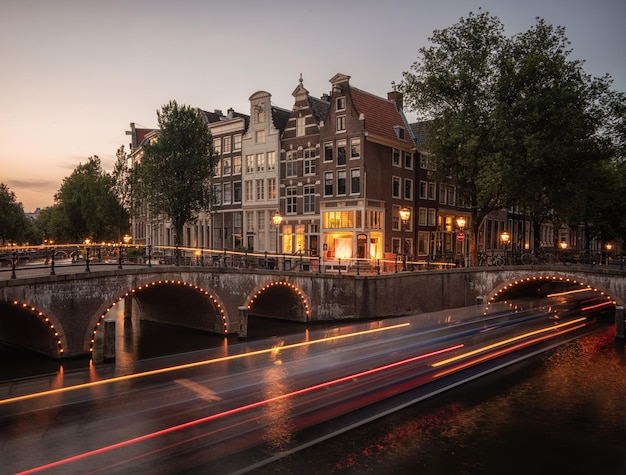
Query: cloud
[36, 185]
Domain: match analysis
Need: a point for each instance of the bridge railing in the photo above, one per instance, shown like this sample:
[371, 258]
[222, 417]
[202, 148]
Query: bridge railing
[82, 256]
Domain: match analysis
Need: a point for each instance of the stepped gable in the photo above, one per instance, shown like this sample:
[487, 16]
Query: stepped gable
[382, 116]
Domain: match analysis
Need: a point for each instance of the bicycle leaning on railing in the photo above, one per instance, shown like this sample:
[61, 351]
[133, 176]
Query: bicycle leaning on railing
[490, 260]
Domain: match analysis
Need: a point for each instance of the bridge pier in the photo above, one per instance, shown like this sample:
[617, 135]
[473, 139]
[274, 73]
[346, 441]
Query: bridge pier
[243, 322]
[619, 322]
[128, 307]
[108, 352]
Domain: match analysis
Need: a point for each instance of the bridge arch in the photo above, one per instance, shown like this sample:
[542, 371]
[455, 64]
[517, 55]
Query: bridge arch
[151, 295]
[279, 299]
[45, 332]
[542, 285]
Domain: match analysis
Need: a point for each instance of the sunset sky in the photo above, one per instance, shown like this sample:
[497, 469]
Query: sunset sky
[74, 74]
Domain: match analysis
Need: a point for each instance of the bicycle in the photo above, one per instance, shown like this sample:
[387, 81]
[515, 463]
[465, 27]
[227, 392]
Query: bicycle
[485, 260]
[539, 257]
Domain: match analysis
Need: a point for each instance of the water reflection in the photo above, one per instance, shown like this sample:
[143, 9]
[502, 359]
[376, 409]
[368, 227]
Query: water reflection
[562, 412]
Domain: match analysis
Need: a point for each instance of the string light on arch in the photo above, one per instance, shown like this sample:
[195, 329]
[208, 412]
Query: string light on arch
[283, 283]
[143, 286]
[46, 321]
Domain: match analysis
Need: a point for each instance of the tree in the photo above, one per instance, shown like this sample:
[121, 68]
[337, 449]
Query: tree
[87, 207]
[14, 225]
[545, 124]
[175, 170]
[454, 85]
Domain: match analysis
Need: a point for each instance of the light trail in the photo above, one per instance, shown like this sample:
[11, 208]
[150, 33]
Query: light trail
[169, 369]
[568, 292]
[505, 342]
[233, 411]
[594, 307]
[500, 352]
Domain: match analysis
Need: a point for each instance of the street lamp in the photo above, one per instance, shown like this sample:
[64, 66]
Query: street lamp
[405, 215]
[505, 237]
[609, 246]
[277, 219]
[87, 242]
[460, 224]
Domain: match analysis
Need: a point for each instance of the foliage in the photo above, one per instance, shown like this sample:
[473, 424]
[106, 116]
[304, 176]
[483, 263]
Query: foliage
[454, 85]
[15, 226]
[124, 182]
[175, 171]
[86, 207]
[517, 122]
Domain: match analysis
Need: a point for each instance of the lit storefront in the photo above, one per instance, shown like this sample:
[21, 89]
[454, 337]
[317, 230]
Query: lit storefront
[352, 230]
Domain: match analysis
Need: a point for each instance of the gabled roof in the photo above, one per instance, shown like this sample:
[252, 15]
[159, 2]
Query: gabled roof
[319, 108]
[421, 131]
[382, 117]
[280, 118]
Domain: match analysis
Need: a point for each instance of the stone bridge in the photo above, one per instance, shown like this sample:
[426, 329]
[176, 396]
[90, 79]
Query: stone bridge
[60, 315]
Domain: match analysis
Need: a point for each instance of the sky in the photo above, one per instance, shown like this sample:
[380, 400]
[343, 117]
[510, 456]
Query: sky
[75, 73]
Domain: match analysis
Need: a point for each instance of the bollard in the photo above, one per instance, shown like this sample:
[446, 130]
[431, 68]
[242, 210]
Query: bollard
[109, 340]
[619, 322]
[128, 307]
[243, 322]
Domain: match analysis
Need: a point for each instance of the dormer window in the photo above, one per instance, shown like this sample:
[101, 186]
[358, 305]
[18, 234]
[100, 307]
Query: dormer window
[400, 132]
[341, 103]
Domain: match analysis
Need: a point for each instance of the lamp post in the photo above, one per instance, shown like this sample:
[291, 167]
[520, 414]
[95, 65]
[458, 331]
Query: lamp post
[87, 242]
[609, 246]
[277, 219]
[405, 215]
[460, 224]
[505, 237]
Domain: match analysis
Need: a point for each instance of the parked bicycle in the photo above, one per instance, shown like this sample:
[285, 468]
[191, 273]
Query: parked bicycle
[539, 257]
[490, 260]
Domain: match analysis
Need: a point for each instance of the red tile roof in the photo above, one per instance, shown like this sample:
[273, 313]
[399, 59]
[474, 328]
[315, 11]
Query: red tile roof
[381, 116]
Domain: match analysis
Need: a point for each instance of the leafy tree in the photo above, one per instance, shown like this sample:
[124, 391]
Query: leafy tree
[175, 171]
[87, 207]
[14, 225]
[543, 124]
[454, 84]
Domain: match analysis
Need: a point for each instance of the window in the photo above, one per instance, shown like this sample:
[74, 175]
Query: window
[309, 199]
[218, 167]
[226, 166]
[423, 190]
[226, 196]
[291, 193]
[341, 152]
[226, 144]
[271, 188]
[408, 189]
[355, 149]
[260, 162]
[328, 152]
[249, 163]
[291, 167]
[395, 187]
[355, 181]
[237, 192]
[443, 193]
[310, 156]
[422, 242]
[260, 190]
[250, 221]
[395, 157]
[237, 142]
[328, 184]
[341, 103]
[432, 187]
[432, 216]
[452, 195]
[400, 132]
[249, 184]
[259, 136]
[271, 161]
[217, 194]
[341, 123]
[217, 145]
[422, 213]
[408, 160]
[341, 182]
[300, 126]
[237, 166]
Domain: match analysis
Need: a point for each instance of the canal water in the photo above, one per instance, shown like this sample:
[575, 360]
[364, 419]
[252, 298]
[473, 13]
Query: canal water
[563, 412]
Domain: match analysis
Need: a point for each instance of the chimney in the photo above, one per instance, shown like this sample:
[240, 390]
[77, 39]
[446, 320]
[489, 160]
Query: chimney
[396, 97]
[230, 113]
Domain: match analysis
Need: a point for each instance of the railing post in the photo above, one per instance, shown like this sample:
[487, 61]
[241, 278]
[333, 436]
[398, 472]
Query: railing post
[378, 266]
[13, 264]
[87, 260]
[319, 264]
[119, 257]
[150, 255]
[52, 262]
[339, 268]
